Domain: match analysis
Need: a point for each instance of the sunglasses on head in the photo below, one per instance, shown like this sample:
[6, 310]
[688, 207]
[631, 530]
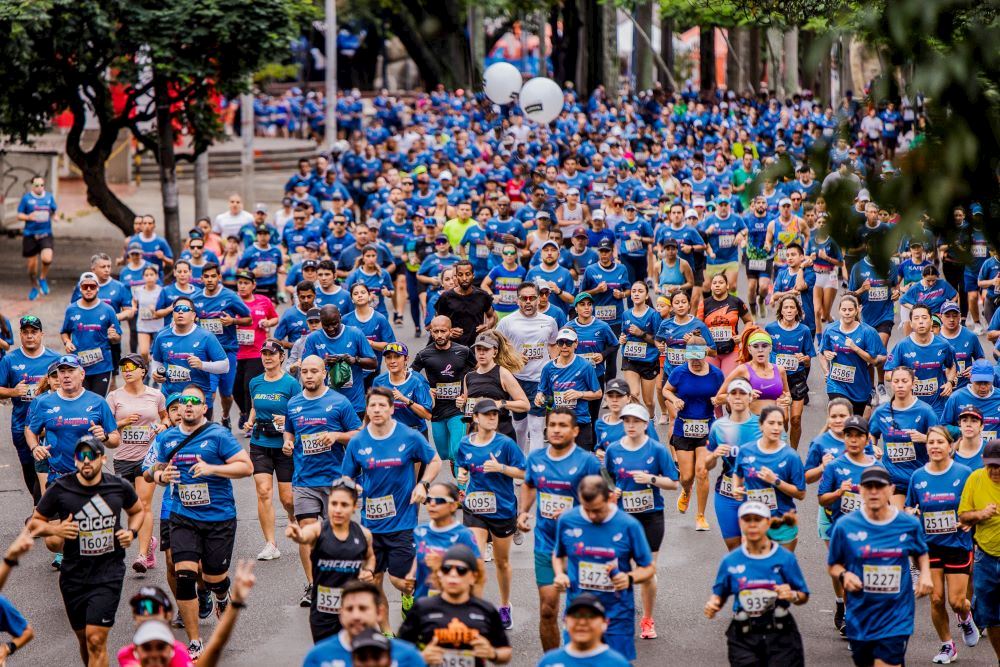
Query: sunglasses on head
[183, 308]
[188, 399]
[462, 570]
[146, 607]
[344, 483]
[86, 454]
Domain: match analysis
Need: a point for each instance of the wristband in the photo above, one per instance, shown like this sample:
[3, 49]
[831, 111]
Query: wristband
[10, 562]
[11, 648]
[841, 577]
[135, 533]
[238, 605]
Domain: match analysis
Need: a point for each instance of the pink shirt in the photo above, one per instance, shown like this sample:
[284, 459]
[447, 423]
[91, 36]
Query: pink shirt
[251, 338]
[126, 656]
[136, 437]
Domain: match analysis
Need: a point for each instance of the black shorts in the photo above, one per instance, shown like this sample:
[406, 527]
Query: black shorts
[496, 527]
[272, 461]
[89, 603]
[884, 327]
[270, 291]
[857, 407]
[128, 470]
[758, 273]
[653, 526]
[394, 552]
[116, 356]
[208, 542]
[585, 439]
[699, 275]
[323, 625]
[685, 444]
[950, 559]
[32, 245]
[798, 386]
[890, 650]
[765, 648]
[647, 370]
[165, 534]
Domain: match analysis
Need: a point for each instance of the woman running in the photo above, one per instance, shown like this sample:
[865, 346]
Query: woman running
[502, 281]
[229, 262]
[434, 537]
[675, 333]
[850, 351]
[722, 312]
[609, 427]
[639, 352]
[250, 339]
[768, 380]
[144, 298]
[488, 463]
[969, 448]
[792, 350]
[827, 259]
[493, 377]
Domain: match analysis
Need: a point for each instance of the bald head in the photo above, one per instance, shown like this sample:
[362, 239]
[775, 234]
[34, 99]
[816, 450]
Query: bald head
[440, 331]
[329, 317]
[312, 373]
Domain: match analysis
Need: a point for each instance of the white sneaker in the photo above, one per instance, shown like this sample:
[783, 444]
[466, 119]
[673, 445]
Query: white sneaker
[883, 395]
[269, 552]
[946, 655]
[978, 329]
[489, 553]
[970, 633]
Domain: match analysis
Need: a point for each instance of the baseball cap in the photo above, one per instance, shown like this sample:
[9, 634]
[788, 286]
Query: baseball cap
[441, 238]
[88, 277]
[573, 191]
[739, 384]
[312, 245]
[262, 229]
[567, 334]
[863, 195]
[173, 398]
[134, 358]
[89, 441]
[970, 411]
[585, 601]
[691, 213]
[582, 296]
[271, 346]
[668, 243]
[153, 631]
[630, 206]
[543, 214]
[370, 638]
[878, 475]
[445, 175]
[154, 593]
[695, 352]
[597, 215]
[580, 233]
[784, 201]
[260, 208]
[606, 244]
[396, 348]
[754, 508]
[486, 339]
[312, 314]
[950, 307]
[463, 554]
[616, 386]
[485, 405]
[310, 264]
[542, 284]
[981, 371]
[636, 410]
[552, 243]
[856, 423]
[246, 275]
[135, 247]
[70, 360]
[697, 201]
[991, 453]
[31, 321]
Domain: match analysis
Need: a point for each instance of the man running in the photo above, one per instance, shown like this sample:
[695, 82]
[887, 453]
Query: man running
[469, 308]
[80, 516]
[116, 295]
[337, 343]
[36, 210]
[90, 327]
[586, 622]
[570, 380]
[184, 353]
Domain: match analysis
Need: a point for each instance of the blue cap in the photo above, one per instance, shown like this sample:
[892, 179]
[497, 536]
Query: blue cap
[173, 398]
[981, 371]
[70, 360]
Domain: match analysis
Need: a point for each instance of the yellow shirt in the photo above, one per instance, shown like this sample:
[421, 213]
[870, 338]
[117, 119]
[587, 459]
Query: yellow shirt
[979, 492]
[455, 230]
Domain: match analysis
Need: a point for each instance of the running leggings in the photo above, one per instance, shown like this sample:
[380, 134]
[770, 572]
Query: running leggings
[246, 370]
[954, 273]
[99, 383]
[413, 289]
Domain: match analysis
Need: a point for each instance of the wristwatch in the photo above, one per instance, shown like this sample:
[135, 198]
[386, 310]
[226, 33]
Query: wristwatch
[427, 485]
[652, 480]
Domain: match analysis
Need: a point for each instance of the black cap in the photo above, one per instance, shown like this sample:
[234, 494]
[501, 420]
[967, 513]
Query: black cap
[154, 593]
[616, 386]
[876, 475]
[246, 275]
[463, 554]
[670, 242]
[262, 229]
[606, 244]
[585, 601]
[90, 441]
[971, 411]
[313, 314]
[135, 359]
[271, 345]
[31, 321]
[856, 423]
[991, 453]
[370, 638]
[310, 264]
[485, 405]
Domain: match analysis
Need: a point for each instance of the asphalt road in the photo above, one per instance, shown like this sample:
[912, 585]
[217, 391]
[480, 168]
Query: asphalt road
[274, 630]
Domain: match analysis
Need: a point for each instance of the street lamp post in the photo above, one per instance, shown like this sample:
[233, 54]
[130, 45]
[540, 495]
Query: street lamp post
[331, 74]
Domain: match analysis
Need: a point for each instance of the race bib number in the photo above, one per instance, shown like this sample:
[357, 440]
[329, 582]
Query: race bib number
[721, 334]
[397, 250]
[850, 502]
[779, 256]
[383, 507]
[136, 435]
[979, 250]
[32, 393]
[328, 599]
[726, 486]
[842, 373]
[637, 501]
[882, 578]
[482, 251]
[97, 542]
[90, 357]
[880, 293]
[726, 240]
[177, 374]
[928, 387]
[675, 356]
[452, 658]
[605, 313]
[146, 314]
[900, 451]
[594, 576]
[194, 495]
[267, 268]
[470, 406]
[507, 297]
[448, 390]
[757, 264]
[766, 496]
[634, 350]
[889, 127]
[551, 505]
[757, 601]
[212, 325]
[695, 428]
[245, 337]
[633, 245]
[314, 443]
[481, 502]
[787, 361]
[411, 258]
[559, 399]
[938, 523]
[533, 351]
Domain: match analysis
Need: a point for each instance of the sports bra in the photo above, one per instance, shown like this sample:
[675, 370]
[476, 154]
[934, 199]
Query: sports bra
[770, 388]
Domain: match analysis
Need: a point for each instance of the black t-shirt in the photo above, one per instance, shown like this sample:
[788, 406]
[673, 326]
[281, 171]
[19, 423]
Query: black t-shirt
[466, 312]
[444, 370]
[454, 625]
[95, 556]
[334, 563]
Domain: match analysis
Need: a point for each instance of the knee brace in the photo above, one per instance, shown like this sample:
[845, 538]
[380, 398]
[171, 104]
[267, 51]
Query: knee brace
[187, 584]
[220, 588]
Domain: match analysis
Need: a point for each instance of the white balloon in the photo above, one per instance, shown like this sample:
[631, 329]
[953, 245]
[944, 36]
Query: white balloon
[541, 99]
[501, 82]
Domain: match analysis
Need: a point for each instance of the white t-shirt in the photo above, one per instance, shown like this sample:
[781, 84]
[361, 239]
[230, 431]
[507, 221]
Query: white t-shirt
[531, 336]
[226, 224]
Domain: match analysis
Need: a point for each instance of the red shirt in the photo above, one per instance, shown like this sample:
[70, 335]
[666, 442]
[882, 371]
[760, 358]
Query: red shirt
[251, 338]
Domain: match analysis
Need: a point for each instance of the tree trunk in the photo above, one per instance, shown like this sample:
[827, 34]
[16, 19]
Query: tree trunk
[167, 163]
[592, 55]
[643, 51]
[442, 55]
[753, 58]
[667, 42]
[733, 55]
[774, 58]
[706, 59]
[793, 83]
[612, 70]
[559, 54]
[201, 185]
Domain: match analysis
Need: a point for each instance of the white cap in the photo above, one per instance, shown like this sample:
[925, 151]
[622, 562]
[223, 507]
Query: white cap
[445, 175]
[260, 207]
[598, 214]
[698, 201]
[151, 631]
[635, 410]
[88, 277]
[567, 334]
[864, 195]
[784, 200]
[741, 384]
[756, 508]
[691, 213]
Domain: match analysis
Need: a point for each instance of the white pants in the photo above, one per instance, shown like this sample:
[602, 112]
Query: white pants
[530, 433]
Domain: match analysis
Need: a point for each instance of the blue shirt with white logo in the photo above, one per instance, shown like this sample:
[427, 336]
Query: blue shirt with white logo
[172, 350]
[66, 420]
[88, 329]
[555, 482]
[205, 498]
[350, 341]
[317, 464]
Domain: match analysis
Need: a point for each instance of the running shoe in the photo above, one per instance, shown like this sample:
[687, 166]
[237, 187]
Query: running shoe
[269, 552]
[505, 618]
[227, 424]
[683, 501]
[151, 556]
[405, 605]
[489, 553]
[195, 649]
[177, 621]
[306, 599]
[662, 420]
[946, 655]
[417, 333]
[139, 565]
[221, 604]
[57, 561]
[43, 284]
[397, 319]
[648, 626]
[970, 633]
[838, 616]
[977, 329]
[700, 524]
[33, 294]
[205, 604]
[518, 538]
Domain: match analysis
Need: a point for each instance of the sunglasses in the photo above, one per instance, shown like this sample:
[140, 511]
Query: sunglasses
[129, 367]
[344, 483]
[88, 287]
[462, 570]
[196, 247]
[299, 217]
[86, 454]
[439, 500]
[509, 253]
[146, 607]
[565, 343]
[183, 309]
[528, 299]
[188, 399]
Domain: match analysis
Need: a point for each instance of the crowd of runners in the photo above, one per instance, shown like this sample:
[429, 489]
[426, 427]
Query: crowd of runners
[587, 357]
